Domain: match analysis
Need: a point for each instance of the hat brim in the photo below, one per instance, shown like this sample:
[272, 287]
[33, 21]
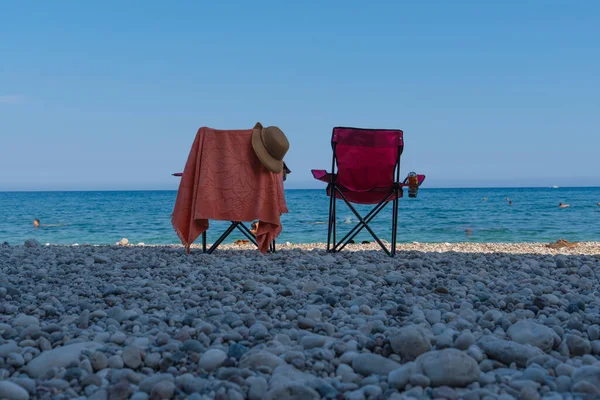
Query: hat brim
[270, 163]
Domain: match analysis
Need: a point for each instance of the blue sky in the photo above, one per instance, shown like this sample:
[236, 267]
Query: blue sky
[109, 95]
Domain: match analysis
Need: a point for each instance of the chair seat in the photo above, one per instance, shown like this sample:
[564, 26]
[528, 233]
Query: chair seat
[372, 196]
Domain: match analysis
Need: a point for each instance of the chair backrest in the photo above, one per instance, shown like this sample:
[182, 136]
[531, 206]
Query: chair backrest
[366, 158]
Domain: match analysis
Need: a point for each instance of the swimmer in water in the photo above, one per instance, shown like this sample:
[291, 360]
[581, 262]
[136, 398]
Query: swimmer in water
[254, 228]
[37, 224]
[485, 199]
[562, 205]
[510, 202]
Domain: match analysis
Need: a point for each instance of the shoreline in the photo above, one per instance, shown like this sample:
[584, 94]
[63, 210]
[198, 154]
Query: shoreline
[451, 321]
[315, 188]
[587, 247]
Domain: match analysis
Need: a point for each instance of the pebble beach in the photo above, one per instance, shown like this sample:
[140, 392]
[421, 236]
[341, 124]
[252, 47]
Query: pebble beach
[438, 321]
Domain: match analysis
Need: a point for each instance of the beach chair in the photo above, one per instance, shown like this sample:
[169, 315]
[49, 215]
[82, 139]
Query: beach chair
[234, 225]
[368, 172]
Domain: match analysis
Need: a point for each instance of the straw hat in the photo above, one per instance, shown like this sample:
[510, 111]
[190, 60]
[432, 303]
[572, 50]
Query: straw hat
[270, 146]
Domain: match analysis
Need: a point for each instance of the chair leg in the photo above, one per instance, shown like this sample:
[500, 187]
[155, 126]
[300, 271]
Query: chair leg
[334, 222]
[394, 224]
[242, 228]
[359, 227]
[222, 238]
[366, 225]
[329, 224]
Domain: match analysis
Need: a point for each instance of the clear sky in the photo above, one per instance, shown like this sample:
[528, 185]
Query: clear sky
[109, 94]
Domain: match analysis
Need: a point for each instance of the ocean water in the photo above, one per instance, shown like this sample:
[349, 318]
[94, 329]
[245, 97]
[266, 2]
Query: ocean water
[437, 215]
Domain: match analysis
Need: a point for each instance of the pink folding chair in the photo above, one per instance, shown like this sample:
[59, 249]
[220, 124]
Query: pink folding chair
[368, 172]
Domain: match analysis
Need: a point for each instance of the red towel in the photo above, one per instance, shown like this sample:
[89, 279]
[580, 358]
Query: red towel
[223, 179]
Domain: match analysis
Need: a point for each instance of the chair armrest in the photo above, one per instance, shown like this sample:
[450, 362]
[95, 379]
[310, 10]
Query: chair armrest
[322, 175]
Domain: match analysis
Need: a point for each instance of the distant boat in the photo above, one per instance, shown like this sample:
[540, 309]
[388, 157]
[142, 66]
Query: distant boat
[554, 187]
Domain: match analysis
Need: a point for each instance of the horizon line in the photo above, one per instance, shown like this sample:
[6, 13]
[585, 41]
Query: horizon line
[175, 190]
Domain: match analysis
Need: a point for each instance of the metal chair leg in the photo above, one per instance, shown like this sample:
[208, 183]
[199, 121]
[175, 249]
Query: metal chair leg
[394, 223]
[330, 220]
[334, 222]
[221, 238]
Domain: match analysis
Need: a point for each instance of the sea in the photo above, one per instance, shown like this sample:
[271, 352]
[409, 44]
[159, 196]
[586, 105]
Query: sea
[435, 216]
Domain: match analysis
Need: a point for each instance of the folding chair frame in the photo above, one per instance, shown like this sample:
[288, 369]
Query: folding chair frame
[242, 228]
[332, 245]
